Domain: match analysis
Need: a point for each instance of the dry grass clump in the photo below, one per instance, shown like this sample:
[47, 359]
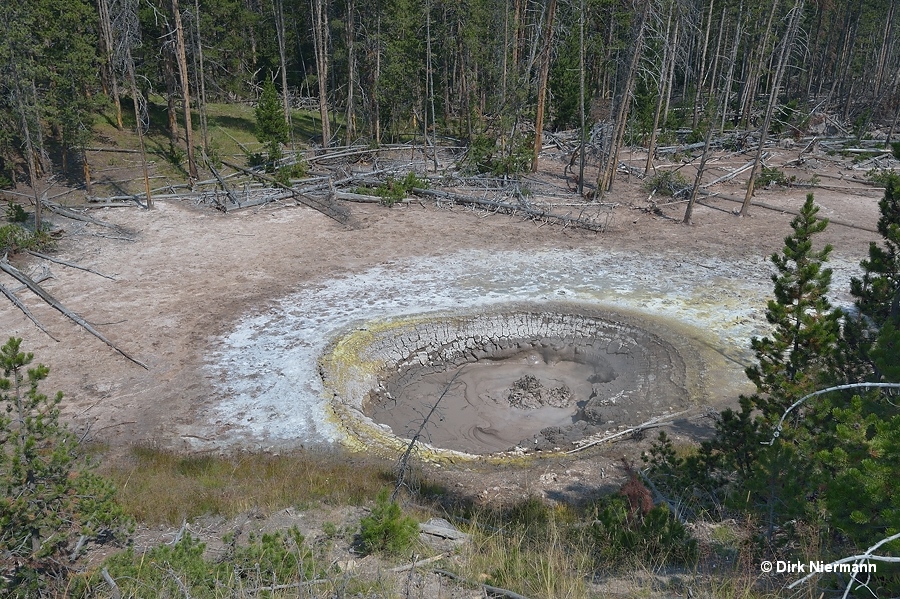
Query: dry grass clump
[161, 487]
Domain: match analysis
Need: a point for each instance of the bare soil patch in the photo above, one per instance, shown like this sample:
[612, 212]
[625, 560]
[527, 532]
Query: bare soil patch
[189, 275]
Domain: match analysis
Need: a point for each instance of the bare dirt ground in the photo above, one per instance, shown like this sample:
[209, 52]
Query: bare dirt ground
[189, 275]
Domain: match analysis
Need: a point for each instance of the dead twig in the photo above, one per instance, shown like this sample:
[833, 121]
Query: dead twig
[70, 264]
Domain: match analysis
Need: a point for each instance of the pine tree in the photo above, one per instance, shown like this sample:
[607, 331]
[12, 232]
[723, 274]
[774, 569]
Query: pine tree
[271, 128]
[791, 361]
[48, 497]
[869, 338]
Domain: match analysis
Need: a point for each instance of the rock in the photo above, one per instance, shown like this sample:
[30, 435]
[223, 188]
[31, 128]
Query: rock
[440, 535]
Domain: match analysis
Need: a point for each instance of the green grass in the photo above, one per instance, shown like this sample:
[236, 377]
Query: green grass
[160, 487]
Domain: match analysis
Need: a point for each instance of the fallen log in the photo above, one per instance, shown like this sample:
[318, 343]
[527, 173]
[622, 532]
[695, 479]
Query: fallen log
[70, 264]
[112, 204]
[785, 210]
[734, 173]
[15, 273]
[491, 590]
[224, 185]
[71, 214]
[18, 304]
[508, 208]
[358, 197]
[339, 213]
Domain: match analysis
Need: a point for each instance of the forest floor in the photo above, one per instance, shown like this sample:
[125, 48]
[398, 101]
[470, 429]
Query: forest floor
[186, 276]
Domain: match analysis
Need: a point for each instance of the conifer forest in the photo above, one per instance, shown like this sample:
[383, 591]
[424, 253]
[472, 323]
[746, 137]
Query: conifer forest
[542, 299]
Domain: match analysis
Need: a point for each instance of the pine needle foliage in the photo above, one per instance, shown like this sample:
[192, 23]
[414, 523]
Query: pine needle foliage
[49, 496]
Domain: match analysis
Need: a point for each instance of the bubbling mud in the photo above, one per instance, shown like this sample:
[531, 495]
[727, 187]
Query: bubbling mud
[513, 378]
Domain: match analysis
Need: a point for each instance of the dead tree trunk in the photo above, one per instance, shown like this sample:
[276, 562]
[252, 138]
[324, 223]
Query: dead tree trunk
[702, 76]
[139, 124]
[201, 76]
[787, 43]
[542, 85]
[106, 36]
[689, 211]
[608, 168]
[278, 8]
[320, 47]
[350, 117]
[185, 91]
[663, 79]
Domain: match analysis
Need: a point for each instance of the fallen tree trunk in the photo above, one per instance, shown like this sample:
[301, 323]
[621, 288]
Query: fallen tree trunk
[339, 213]
[491, 590]
[15, 273]
[528, 211]
[71, 214]
[785, 210]
[221, 181]
[18, 304]
[70, 264]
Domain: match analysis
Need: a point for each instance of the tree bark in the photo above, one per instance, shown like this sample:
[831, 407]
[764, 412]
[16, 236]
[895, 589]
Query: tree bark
[350, 116]
[608, 168]
[185, 91]
[106, 36]
[663, 80]
[542, 86]
[787, 43]
[278, 8]
[320, 47]
[139, 126]
[204, 129]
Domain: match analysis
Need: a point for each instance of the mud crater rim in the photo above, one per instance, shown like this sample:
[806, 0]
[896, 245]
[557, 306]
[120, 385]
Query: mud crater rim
[595, 369]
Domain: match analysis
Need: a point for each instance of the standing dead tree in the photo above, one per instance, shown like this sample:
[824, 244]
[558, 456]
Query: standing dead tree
[786, 45]
[542, 85]
[403, 462]
[611, 157]
[126, 35]
[185, 90]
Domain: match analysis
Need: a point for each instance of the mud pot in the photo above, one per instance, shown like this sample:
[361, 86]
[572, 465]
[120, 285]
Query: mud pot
[515, 378]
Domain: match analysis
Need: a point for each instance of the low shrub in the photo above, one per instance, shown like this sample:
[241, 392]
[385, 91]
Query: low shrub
[772, 176]
[386, 530]
[667, 183]
[15, 238]
[15, 213]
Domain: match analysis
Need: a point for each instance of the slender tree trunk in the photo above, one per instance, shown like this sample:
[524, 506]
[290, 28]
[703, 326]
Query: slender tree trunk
[663, 79]
[608, 168]
[504, 67]
[729, 78]
[185, 91]
[278, 9]
[171, 91]
[135, 95]
[204, 129]
[752, 84]
[689, 211]
[106, 36]
[429, 87]
[320, 47]
[350, 116]
[702, 77]
[377, 80]
[542, 85]
[787, 43]
[670, 74]
[885, 47]
[581, 114]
